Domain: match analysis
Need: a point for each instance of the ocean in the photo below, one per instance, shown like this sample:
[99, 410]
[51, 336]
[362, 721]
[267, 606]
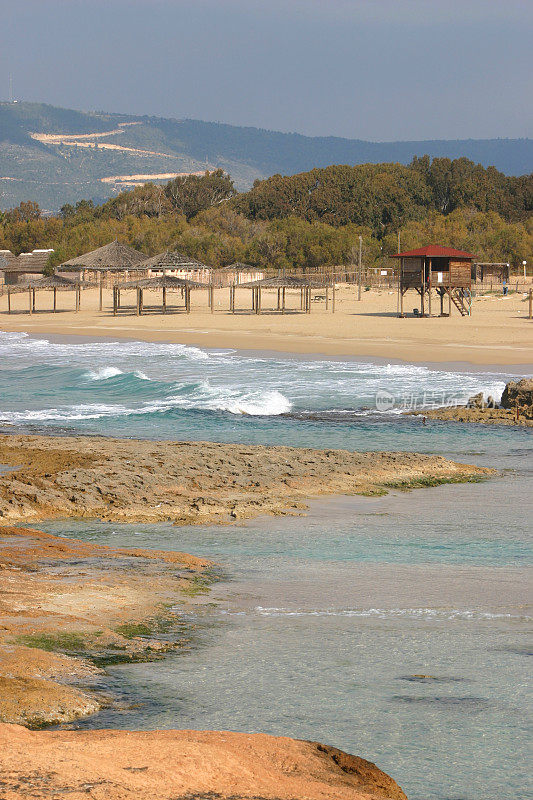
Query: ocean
[397, 628]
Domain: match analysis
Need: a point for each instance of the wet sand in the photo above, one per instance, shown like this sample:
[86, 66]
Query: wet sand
[497, 333]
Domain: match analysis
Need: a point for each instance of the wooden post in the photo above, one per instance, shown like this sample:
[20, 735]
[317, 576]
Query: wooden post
[279, 298]
[101, 291]
[308, 299]
[449, 301]
[29, 298]
[55, 299]
[530, 303]
[327, 297]
[114, 301]
[442, 303]
[138, 302]
[253, 298]
[258, 300]
[283, 300]
[78, 297]
[164, 299]
[188, 299]
[333, 296]
[33, 301]
[9, 301]
[141, 305]
[401, 303]
[429, 290]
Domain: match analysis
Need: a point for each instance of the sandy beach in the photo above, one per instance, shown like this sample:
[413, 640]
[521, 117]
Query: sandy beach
[497, 333]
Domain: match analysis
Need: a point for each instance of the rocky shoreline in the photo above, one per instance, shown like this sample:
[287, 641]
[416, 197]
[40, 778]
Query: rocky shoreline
[182, 765]
[514, 408]
[130, 480]
[68, 608]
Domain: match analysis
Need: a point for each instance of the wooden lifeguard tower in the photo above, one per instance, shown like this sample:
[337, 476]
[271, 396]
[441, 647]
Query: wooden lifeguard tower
[443, 269]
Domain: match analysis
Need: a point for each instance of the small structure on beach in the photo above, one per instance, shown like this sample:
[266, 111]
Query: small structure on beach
[54, 284]
[497, 272]
[283, 283]
[19, 269]
[443, 269]
[236, 274]
[178, 265]
[164, 284]
[106, 265]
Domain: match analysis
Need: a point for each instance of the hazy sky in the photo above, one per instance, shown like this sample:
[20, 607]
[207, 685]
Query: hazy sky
[370, 69]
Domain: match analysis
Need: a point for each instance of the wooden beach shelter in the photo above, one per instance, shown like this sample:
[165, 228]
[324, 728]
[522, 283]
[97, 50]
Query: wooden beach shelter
[174, 264]
[105, 266]
[237, 274]
[54, 284]
[443, 269]
[164, 284]
[281, 283]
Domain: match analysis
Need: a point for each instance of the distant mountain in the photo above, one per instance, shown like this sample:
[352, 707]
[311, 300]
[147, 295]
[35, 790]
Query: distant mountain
[56, 155]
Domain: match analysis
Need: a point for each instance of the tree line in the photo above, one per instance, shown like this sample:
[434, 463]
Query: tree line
[298, 223]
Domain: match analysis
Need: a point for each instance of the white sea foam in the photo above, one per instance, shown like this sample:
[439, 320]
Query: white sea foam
[386, 613]
[104, 373]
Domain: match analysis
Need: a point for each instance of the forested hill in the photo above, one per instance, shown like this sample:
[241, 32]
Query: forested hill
[56, 156]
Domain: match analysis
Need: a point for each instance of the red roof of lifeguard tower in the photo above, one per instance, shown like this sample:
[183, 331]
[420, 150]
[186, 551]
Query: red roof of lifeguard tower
[434, 251]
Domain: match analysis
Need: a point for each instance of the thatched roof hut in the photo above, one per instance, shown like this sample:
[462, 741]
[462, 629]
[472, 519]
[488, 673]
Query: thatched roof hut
[178, 265]
[284, 282]
[162, 282]
[281, 283]
[112, 257]
[173, 260]
[52, 283]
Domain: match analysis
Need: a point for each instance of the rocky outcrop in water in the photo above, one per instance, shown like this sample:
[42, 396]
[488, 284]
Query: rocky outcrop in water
[515, 407]
[129, 480]
[518, 393]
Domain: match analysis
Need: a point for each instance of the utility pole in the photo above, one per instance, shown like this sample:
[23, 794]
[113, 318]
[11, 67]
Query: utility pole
[399, 240]
[360, 267]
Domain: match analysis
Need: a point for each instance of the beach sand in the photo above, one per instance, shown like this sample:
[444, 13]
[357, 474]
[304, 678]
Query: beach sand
[497, 333]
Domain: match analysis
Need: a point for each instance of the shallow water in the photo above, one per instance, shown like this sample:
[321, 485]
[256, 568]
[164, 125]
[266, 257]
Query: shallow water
[396, 627]
[387, 627]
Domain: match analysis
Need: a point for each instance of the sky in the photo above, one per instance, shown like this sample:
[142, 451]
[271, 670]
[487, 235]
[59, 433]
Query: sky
[365, 69]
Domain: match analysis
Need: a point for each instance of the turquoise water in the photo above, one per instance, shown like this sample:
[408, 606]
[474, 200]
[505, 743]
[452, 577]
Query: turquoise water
[324, 624]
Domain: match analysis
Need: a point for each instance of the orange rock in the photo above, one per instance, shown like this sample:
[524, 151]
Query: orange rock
[183, 765]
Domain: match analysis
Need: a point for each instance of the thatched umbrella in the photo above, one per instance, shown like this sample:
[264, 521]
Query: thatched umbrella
[52, 283]
[164, 283]
[108, 260]
[173, 260]
[281, 283]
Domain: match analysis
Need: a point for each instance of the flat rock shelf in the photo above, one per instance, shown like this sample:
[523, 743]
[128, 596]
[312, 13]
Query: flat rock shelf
[195, 482]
